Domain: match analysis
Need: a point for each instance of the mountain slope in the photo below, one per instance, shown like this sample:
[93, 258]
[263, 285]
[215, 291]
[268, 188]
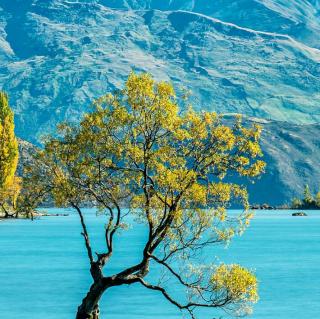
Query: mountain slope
[297, 18]
[56, 56]
[292, 155]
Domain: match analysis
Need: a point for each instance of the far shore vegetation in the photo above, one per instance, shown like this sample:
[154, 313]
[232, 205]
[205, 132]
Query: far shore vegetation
[308, 201]
[17, 198]
[10, 184]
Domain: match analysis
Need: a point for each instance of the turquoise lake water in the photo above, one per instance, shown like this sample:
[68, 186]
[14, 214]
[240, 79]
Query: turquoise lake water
[44, 269]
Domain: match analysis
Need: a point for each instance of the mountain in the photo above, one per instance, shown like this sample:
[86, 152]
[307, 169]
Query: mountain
[56, 56]
[256, 57]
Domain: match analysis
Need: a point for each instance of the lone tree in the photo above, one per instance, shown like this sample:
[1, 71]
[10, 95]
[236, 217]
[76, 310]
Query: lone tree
[307, 196]
[9, 183]
[168, 169]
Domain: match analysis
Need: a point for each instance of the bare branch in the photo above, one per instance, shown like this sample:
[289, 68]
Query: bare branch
[84, 233]
[188, 306]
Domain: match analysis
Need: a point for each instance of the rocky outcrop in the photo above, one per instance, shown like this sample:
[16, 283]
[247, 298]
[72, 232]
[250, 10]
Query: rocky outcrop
[299, 214]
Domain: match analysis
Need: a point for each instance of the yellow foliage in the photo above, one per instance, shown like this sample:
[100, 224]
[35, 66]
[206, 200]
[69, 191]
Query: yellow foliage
[9, 183]
[238, 283]
[8, 144]
[138, 142]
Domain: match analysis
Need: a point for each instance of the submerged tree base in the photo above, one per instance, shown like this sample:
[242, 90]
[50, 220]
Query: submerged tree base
[94, 315]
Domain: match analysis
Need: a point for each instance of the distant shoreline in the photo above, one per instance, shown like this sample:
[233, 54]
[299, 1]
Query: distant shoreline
[283, 208]
[35, 216]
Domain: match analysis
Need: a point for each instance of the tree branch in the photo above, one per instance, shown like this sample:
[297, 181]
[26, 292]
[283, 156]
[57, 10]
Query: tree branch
[84, 233]
[188, 306]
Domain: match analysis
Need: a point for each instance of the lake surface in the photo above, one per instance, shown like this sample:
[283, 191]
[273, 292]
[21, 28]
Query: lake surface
[44, 268]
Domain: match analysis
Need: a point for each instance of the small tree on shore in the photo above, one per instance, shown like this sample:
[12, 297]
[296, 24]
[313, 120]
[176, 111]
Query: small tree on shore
[308, 201]
[9, 154]
[136, 150]
[317, 199]
[307, 196]
[296, 203]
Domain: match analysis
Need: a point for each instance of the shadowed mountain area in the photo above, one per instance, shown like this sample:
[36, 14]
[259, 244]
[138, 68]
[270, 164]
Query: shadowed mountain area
[256, 57]
[292, 155]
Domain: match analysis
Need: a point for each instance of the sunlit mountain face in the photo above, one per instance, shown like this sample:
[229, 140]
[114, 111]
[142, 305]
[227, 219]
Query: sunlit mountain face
[256, 57]
[299, 19]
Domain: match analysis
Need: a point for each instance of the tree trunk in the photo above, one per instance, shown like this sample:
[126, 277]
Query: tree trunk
[89, 308]
[6, 213]
[95, 314]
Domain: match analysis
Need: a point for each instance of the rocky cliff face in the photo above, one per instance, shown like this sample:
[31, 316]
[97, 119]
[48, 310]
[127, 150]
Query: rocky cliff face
[257, 57]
